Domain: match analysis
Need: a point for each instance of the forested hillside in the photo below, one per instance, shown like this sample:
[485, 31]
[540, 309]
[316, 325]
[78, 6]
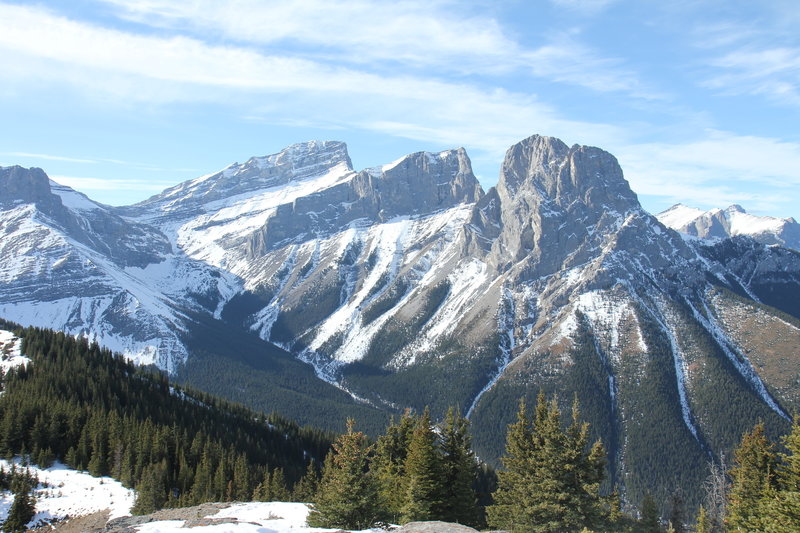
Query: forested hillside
[95, 411]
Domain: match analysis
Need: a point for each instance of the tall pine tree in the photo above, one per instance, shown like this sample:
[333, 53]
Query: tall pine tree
[753, 477]
[348, 493]
[459, 471]
[551, 481]
[388, 466]
[423, 470]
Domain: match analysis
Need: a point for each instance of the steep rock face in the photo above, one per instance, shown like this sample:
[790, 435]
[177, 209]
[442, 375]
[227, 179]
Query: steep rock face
[731, 222]
[415, 185]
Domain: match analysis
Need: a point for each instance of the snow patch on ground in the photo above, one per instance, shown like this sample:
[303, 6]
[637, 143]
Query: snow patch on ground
[162, 348]
[606, 313]
[63, 492]
[10, 351]
[253, 517]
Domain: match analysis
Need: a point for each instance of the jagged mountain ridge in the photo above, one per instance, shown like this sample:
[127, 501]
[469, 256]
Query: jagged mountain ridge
[725, 223]
[406, 285]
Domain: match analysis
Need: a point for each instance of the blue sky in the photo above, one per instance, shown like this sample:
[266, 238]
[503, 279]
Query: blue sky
[699, 100]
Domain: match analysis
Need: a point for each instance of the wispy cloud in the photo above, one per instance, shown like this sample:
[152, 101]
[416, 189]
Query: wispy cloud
[718, 169]
[48, 157]
[111, 184]
[771, 72]
[758, 55]
[132, 67]
[431, 34]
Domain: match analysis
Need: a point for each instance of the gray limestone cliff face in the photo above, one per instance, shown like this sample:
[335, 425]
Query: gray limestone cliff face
[554, 198]
[20, 185]
[563, 207]
[417, 185]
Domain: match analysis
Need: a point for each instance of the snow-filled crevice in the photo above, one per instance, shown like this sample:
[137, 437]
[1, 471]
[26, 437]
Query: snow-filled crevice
[741, 363]
[506, 317]
[266, 318]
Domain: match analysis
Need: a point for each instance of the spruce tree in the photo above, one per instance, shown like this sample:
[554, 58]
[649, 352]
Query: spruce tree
[753, 476]
[649, 521]
[241, 479]
[459, 471]
[262, 491]
[423, 470]
[348, 493]
[388, 465]
[677, 511]
[508, 510]
[781, 505]
[702, 525]
[277, 486]
[551, 482]
[305, 490]
[150, 493]
[22, 510]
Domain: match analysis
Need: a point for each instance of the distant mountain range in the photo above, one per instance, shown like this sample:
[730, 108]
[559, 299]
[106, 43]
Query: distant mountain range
[407, 285]
[724, 223]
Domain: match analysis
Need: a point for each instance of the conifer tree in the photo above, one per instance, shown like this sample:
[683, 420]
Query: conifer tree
[277, 486]
[702, 525]
[305, 490]
[550, 483]
[388, 465]
[781, 506]
[509, 510]
[21, 512]
[423, 470]
[459, 471]
[677, 512]
[753, 476]
[262, 491]
[649, 521]
[241, 479]
[150, 494]
[348, 493]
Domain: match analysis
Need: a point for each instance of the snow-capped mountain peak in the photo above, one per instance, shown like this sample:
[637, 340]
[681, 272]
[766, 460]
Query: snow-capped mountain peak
[730, 222]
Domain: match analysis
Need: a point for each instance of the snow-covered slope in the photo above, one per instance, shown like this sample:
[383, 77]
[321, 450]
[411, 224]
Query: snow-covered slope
[730, 222]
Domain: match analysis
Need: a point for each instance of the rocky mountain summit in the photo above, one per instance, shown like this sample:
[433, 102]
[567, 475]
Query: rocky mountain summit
[407, 285]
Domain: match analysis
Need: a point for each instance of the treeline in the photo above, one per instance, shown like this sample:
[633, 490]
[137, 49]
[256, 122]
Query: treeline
[93, 410]
[550, 482]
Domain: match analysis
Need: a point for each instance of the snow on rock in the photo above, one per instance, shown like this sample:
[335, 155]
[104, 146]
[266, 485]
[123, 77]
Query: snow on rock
[253, 517]
[679, 215]
[63, 492]
[730, 222]
[10, 351]
[73, 199]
